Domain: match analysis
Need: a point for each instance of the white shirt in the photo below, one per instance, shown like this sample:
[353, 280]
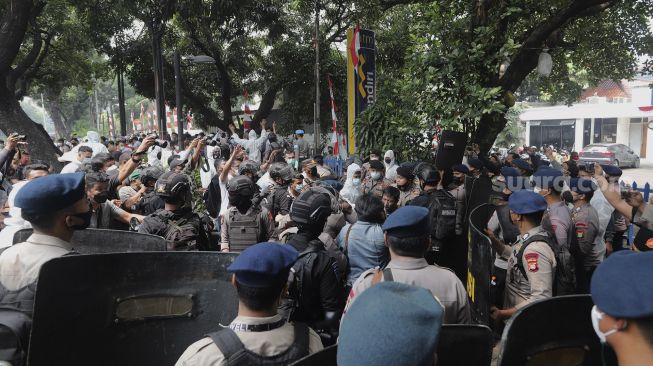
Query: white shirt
[72, 167]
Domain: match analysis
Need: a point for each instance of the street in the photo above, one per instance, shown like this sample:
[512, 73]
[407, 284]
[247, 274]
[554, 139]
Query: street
[641, 175]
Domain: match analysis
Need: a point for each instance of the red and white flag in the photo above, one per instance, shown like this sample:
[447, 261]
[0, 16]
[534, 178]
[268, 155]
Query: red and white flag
[155, 121]
[142, 116]
[168, 118]
[149, 121]
[334, 119]
[174, 118]
[111, 127]
[133, 122]
[247, 118]
[189, 119]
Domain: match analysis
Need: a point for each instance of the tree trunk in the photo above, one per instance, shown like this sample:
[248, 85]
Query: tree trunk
[13, 119]
[488, 129]
[266, 105]
[60, 125]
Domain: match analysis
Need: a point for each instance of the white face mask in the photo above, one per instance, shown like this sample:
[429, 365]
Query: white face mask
[596, 317]
[356, 181]
[537, 189]
[375, 175]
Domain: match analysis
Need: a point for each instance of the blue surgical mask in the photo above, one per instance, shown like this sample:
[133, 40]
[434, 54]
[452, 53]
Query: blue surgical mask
[356, 181]
[375, 175]
[299, 187]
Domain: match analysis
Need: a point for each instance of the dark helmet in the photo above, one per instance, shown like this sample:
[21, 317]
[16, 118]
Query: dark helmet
[429, 174]
[311, 208]
[150, 175]
[172, 185]
[240, 185]
[281, 170]
[248, 166]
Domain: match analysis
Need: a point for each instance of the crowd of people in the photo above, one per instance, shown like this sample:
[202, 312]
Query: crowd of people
[325, 253]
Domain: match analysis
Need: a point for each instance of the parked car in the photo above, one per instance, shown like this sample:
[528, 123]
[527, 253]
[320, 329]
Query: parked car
[618, 155]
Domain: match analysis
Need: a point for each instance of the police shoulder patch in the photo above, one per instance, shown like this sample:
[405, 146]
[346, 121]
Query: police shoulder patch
[531, 261]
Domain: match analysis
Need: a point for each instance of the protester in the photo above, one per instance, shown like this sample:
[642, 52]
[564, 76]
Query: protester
[84, 154]
[390, 165]
[405, 182]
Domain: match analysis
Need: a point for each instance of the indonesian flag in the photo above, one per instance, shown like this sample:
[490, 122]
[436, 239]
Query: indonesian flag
[174, 118]
[355, 46]
[111, 133]
[247, 119]
[156, 121]
[133, 121]
[168, 118]
[149, 121]
[142, 115]
[189, 119]
[334, 119]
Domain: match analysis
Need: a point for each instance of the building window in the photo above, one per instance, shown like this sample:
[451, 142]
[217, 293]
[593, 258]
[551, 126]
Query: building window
[605, 130]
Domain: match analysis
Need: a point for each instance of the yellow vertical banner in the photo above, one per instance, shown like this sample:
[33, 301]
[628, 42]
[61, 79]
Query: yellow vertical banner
[351, 98]
[361, 78]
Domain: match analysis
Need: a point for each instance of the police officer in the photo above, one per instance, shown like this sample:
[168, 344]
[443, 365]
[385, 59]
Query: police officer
[177, 223]
[56, 206]
[244, 223]
[376, 182]
[532, 263]
[623, 306]
[475, 167]
[259, 275]
[590, 250]
[405, 182]
[301, 146]
[407, 235]
[523, 166]
[457, 189]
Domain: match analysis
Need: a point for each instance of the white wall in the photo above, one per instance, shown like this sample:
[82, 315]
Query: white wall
[527, 133]
[578, 136]
[623, 130]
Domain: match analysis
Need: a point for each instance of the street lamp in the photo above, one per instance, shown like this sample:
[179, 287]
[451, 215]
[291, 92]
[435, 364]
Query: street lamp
[201, 59]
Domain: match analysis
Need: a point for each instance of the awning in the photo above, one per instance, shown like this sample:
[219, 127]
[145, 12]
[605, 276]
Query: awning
[586, 110]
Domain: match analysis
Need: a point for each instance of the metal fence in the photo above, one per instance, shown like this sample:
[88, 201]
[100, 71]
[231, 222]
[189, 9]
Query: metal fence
[335, 164]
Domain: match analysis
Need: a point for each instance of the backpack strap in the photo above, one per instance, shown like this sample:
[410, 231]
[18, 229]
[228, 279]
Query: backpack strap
[382, 275]
[347, 238]
[231, 346]
[301, 338]
[527, 242]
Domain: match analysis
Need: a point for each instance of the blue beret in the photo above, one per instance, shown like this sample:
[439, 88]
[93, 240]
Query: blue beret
[522, 164]
[475, 163]
[612, 170]
[408, 221]
[509, 172]
[264, 264]
[581, 185]
[299, 132]
[51, 193]
[543, 163]
[621, 285]
[391, 324]
[460, 168]
[547, 177]
[526, 202]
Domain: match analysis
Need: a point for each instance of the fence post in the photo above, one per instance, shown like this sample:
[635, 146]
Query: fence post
[647, 191]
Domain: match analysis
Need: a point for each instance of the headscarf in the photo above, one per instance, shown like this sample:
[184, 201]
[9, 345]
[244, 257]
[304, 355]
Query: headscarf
[390, 169]
[350, 192]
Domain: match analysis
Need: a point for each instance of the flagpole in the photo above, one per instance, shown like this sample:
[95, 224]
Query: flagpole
[316, 114]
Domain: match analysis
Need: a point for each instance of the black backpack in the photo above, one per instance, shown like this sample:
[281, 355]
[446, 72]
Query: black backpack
[188, 232]
[564, 280]
[442, 207]
[236, 354]
[300, 278]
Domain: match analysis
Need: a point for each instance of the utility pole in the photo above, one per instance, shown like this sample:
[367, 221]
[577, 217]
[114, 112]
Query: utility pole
[43, 106]
[121, 97]
[316, 114]
[97, 110]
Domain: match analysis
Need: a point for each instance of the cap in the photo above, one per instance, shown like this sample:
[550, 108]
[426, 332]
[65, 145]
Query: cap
[408, 221]
[377, 164]
[631, 298]
[526, 202]
[546, 177]
[51, 193]
[299, 132]
[507, 171]
[611, 170]
[383, 310]
[462, 168]
[175, 163]
[135, 175]
[405, 172]
[475, 163]
[522, 164]
[264, 264]
[581, 185]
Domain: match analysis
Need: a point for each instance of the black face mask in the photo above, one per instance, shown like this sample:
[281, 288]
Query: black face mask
[85, 217]
[458, 180]
[101, 197]
[388, 160]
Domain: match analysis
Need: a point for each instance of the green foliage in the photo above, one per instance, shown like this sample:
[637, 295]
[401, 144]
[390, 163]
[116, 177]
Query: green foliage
[512, 133]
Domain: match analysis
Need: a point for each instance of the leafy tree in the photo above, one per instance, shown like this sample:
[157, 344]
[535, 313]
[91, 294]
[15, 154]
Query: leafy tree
[451, 72]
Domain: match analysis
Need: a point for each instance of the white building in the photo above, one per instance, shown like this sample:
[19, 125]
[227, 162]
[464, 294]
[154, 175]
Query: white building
[612, 112]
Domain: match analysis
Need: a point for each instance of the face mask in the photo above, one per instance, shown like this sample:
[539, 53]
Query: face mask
[458, 180]
[291, 162]
[85, 217]
[299, 187]
[375, 175]
[101, 197]
[388, 160]
[86, 161]
[596, 317]
[356, 181]
[537, 189]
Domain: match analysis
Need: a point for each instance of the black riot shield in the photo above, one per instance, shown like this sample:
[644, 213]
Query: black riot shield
[556, 331]
[479, 264]
[326, 357]
[99, 241]
[129, 308]
[462, 344]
